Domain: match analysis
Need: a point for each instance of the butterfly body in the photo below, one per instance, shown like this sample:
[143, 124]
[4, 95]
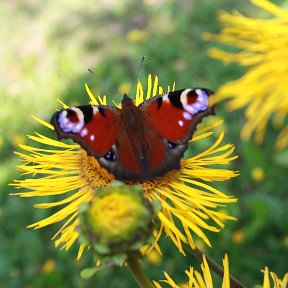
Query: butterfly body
[137, 143]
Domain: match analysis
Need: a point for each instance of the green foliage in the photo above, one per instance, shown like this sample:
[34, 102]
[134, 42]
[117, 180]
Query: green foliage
[46, 50]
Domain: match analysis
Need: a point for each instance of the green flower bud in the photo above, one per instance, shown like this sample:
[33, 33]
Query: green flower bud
[118, 220]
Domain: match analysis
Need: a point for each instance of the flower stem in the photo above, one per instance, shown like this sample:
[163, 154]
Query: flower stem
[137, 272]
[235, 283]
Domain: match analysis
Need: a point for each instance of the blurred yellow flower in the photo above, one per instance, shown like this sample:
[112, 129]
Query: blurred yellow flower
[137, 35]
[189, 204]
[262, 89]
[49, 266]
[17, 139]
[257, 174]
[197, 279]
[238, 236]
[153, 256]
[1, 141]
[124, 88]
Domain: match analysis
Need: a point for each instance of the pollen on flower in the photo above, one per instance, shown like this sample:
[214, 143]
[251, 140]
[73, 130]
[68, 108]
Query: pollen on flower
[164, 181]
[93, 173]
[96, 176]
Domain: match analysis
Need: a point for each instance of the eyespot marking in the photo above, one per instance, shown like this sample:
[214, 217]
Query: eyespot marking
[110, 155]
[200, 104]
[71, 120]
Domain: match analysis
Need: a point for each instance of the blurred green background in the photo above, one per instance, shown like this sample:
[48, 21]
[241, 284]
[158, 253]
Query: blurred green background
[45, 51]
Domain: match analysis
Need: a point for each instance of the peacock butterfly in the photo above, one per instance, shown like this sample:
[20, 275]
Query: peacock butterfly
[137, 143]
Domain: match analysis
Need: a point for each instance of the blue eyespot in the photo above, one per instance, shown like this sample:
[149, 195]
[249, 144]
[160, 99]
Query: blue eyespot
[110, 156]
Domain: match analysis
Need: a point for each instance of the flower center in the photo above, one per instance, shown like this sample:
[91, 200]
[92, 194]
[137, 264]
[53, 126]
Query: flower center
[166, 180]
[93, 173]
[96, 176]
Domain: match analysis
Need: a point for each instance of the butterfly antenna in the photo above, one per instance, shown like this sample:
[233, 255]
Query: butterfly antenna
[138, 72]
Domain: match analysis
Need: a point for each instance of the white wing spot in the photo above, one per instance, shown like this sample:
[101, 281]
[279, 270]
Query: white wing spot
[183, 96]
[92, 137]
[165, 98]
[84, 132]
[181, 123]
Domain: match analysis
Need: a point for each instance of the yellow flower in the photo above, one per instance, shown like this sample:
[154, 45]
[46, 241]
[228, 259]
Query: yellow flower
[154, 257]
[277, 283]
[257, 174]
[204, 279]
[238, 236]
[137, 35]
[49, 266]
[124, 88]
[65, 170]
[262, 89]
[197, 279]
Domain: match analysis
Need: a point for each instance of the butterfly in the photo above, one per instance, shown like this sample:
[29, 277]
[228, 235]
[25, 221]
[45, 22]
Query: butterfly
[137, 143]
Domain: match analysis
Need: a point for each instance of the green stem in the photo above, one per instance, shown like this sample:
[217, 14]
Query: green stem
[216, 268]
[137, 272]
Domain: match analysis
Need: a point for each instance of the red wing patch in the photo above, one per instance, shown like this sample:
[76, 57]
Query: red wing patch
[173, 114]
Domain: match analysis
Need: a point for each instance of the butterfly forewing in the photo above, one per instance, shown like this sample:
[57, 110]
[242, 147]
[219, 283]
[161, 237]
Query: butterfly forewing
[95, 128]
[175, 115]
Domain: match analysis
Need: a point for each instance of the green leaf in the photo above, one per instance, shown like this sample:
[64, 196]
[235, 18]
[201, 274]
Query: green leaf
[87, 273]
[119, 259]
[101, 248]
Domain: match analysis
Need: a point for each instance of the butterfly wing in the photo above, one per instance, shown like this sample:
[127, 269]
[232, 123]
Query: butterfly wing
[94, 128]
[174, 117]
[137, 143]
